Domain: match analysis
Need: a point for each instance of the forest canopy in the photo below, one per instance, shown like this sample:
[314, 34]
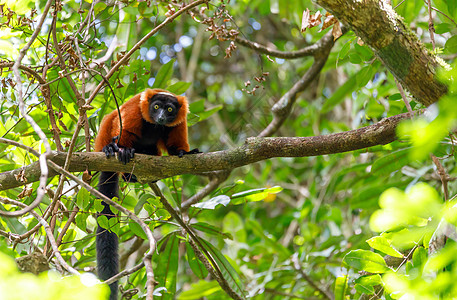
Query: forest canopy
[327, 131]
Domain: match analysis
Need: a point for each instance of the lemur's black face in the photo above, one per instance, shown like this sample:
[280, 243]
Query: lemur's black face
[163, 108]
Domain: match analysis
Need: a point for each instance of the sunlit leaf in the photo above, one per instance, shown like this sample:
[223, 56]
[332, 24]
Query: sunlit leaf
[366, 284]
[340, 287]
[382, 244]
[366, 260]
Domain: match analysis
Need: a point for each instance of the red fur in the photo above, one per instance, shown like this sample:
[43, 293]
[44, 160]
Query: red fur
[132, 114]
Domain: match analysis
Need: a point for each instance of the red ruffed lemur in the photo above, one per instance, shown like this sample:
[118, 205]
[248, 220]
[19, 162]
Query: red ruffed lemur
[152, 121]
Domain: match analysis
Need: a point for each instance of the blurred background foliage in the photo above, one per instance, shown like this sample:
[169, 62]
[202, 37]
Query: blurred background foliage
[289, 228]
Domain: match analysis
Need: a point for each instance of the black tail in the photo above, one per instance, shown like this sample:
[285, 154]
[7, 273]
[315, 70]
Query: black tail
[107, 242]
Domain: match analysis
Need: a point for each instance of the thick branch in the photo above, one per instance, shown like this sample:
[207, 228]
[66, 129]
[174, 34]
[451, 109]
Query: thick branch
[148, 168]
[393, 43]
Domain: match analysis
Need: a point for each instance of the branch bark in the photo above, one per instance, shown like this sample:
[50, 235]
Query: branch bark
[149, 168]
[393, 43]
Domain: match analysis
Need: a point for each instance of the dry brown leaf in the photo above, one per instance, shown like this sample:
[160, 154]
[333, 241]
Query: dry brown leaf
[329, 21]
[309, 21]
[336, 31]
[25, 193]
[305, 20]
[315, 19]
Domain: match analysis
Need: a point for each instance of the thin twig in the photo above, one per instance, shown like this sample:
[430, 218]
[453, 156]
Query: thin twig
[124, 273]
[443, 175]
[431, 27]
[70, 220]
[403, 96]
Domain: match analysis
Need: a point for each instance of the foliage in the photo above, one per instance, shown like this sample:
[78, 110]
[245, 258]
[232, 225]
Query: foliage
[49, 285]
[287, 227]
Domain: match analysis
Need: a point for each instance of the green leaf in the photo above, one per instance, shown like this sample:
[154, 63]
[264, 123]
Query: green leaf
[141, 202]
[13, 224]
[213, 202]
[136, 229]
[98, 205]
[366, 260]
[81, 221]
[100, 6]
[195, 264]
[363, 76]
[197, 106]
[114, 225]
[451, 44]
[344, 51]
[103, 222]
[167, 266]
[179, 87]
[198, 112]
[83, 199]
[355, 58]
[229, 273]
[341, 284]
[367, 283]
[451, 7]
[164, 75]
[364, 289]
[391, 162]
[396, 96]
[443, 27]
[382, 244]
[209, 112]
[200, 290]
[419, 257]
[208, 228]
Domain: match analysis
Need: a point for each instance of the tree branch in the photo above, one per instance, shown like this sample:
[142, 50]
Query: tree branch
[325, 42]
[149, 168]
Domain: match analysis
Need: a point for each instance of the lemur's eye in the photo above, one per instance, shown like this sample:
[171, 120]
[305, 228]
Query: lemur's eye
[170, 109]
[156, 106]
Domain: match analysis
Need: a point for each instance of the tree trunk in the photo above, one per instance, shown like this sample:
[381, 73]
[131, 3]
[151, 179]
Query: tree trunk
[379, 26]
